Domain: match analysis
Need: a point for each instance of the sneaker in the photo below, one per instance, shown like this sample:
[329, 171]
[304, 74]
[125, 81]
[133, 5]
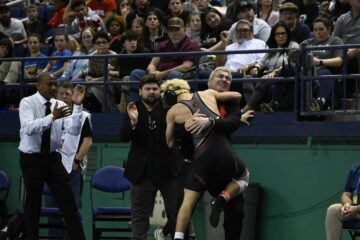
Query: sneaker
[158, 234]
[270, 107]
[315, 105]
[215, 212]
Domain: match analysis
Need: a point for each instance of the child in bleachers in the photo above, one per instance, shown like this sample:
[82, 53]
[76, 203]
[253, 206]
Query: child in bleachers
[34, 67]
[33, 24]
[115, 26]
[57, 67]
[194, 26]
[123, 8]
[78, 67]
[138, 26]
[96, 69]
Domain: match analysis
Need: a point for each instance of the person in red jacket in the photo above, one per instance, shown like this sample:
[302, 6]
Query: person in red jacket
[102, 7]
[58, 19]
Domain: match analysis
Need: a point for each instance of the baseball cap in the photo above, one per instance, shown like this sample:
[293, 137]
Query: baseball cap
[289, 6]
[245, 4]
[175, 22]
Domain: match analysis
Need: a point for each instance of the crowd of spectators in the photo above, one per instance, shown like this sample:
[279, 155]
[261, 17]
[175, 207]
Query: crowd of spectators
[74, 27]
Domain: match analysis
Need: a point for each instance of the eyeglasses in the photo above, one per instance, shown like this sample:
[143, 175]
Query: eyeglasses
[278, 34]
[101, 43]
[243, 30]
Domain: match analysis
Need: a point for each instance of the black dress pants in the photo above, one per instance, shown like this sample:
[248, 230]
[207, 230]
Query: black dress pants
[38, 169]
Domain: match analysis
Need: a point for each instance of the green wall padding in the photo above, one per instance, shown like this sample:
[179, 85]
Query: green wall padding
[299, 182]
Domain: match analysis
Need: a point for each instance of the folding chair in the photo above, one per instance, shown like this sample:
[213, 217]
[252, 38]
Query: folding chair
[109, 182]
[353, 227]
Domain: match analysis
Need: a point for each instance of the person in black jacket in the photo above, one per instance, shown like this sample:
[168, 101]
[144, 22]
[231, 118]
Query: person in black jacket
[151, 165]
[128, 44]
[232, 118]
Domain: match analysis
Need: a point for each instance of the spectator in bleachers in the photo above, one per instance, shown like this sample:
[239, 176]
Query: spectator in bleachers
[202, 5]
[57, 67]
[125, 66]
[333, 9]
[11, 27]
[266, 12]
[347, 28]
[9, 70]
[154, 31]
[308, 11]
[77, 70]
[241, 63]
[194, 26]
[33, 24]
[176, 10]
[168, 67]
[123, 8]
[57, 19]
[327, 61]
[139, 9]
[289, 13]
[34, 67]
[245, 10]
[115, 26]
[160, 4]
[269, 67]
[138, 26]
[212, 24]
[230, 10]
[131, 45]
[97, 69]
[103, 8]
[190, 5]
[79, 16]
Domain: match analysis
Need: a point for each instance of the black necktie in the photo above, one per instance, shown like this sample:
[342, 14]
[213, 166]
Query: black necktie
[45, 139]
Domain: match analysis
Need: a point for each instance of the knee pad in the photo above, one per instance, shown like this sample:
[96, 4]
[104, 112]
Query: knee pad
[243, 181]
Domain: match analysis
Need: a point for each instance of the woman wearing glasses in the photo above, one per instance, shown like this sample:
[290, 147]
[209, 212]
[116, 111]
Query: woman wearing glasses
[269, 67]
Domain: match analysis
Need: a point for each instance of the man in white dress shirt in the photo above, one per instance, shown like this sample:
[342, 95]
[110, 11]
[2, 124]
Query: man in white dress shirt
[43, 120]
[240, 63]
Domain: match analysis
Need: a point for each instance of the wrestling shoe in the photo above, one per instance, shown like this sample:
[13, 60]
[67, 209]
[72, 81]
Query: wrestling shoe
[216, 208]
[158, 234]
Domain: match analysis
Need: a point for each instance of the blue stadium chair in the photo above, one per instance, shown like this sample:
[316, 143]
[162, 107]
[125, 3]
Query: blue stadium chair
[17, 12]
[19, 50]
[51, 32]
[110, 182]
[353, 227]
[50, 10]
[46, 49]
[42, 13]
[4, 185]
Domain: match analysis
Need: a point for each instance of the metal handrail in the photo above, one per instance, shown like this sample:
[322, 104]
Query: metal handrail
[299, 80]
